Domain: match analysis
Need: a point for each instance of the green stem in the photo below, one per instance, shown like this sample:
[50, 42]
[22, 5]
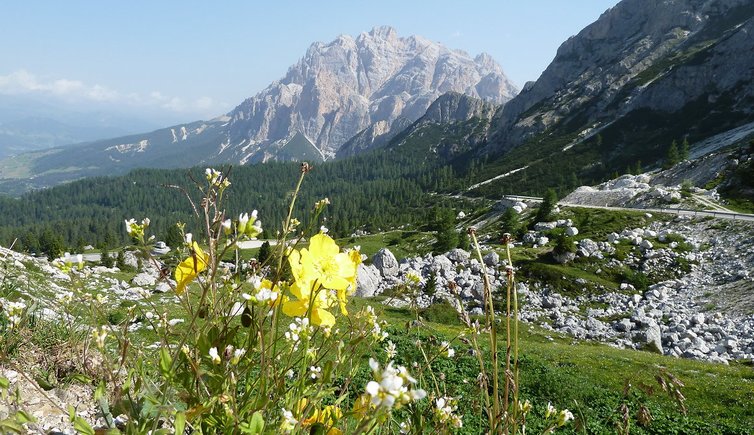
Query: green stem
[490, 323]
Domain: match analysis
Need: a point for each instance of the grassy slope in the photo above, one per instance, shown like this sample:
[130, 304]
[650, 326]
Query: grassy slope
[560, 370]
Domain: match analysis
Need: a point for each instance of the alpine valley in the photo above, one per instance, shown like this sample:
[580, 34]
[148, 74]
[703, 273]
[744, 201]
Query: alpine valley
[610, 202]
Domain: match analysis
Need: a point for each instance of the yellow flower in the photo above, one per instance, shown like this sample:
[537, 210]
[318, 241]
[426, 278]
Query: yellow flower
[190, 268]
[316, 270]
[328, 416]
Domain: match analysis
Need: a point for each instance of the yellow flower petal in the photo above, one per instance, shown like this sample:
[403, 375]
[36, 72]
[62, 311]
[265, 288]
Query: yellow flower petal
[190, 268]
[322, 317]
[295, 308]
[322, 245]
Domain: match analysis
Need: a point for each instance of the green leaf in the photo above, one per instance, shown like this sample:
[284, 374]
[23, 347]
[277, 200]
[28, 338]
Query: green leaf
[81, 426]
[256, 425]
[81, 378]
[327, 372]
[8, 425]
[4, 383]
[22, 417]
[180, 422]
[166, 361]
[100, 391]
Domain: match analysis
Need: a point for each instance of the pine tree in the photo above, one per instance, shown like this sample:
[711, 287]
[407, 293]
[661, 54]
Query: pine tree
[463, 240]
[684, 153]
[120, 260]
[447, 237]
[673, 156]
[51, 243]
[509, 222]
[547, 206]
[105, 258]
[265, 251]
[173, 237]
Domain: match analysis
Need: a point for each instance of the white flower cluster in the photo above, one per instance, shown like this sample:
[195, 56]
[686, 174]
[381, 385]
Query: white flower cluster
[264, 293]
[249, 225]
[562, 417]
[390, 350]
[390, 389]
[447, 350]
[14, 311]
[231, 354]
[136, 230]
[216, 178]
[299, 330]
[377, 332]
[288, 423]
[445, 408]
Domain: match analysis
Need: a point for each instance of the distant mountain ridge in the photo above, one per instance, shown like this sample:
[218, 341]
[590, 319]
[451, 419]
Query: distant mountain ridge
[336, 91]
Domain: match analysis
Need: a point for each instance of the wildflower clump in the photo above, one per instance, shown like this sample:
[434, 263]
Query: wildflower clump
[323, 277]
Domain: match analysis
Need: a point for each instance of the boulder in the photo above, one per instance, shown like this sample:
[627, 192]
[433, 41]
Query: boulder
[441, 263]
[565, 257]
[367, 280]
[545, 226]
[385, 262]
[572, 231]
[143, 280]
[652, 338]
[623, 325]
[588, 248]
[491, 259]
[458, 256]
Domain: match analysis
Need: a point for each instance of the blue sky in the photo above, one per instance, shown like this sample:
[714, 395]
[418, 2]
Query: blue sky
[193, 59]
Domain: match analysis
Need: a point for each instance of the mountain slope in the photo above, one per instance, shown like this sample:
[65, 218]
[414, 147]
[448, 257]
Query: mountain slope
[618, 93]
[334, 92]
[640, 55]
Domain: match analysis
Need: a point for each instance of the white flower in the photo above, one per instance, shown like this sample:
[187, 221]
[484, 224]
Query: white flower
[237, 356]
[226, 226]
[243, 220]
[288, 422]
[564, 416]
[323, 229]
[444, 410]
[298, 330]
[550, 410]
[214, 356]
[14, 311]
[189, 238]
[391, 386]
[390, 350]
[447, 350]
[80, 260]
[130, 223]
[315, 372]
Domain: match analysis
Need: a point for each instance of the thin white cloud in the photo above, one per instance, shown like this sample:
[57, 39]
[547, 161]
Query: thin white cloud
[24, 82]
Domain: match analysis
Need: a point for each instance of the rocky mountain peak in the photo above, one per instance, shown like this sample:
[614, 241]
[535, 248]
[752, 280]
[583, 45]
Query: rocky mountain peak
[343, 87]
